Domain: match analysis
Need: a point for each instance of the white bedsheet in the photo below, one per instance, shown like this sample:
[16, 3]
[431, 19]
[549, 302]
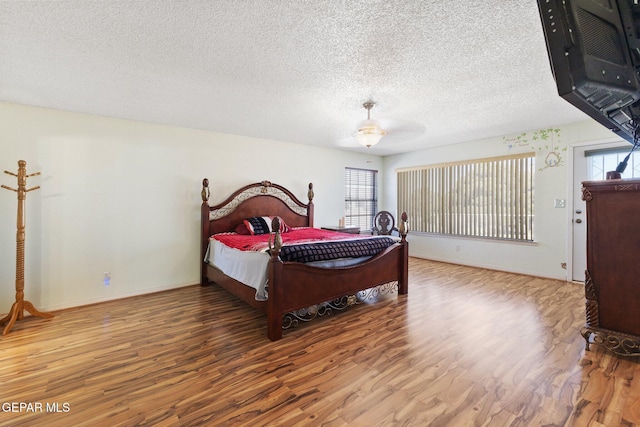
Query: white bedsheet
[246, 267]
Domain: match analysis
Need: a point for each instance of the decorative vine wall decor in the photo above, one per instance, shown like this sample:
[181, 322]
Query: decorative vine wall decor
[548, 142]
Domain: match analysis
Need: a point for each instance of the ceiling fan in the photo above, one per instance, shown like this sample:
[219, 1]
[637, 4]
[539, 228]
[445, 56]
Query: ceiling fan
[370, 132]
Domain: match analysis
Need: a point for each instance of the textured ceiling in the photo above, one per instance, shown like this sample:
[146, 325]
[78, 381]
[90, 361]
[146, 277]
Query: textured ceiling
[440, 71]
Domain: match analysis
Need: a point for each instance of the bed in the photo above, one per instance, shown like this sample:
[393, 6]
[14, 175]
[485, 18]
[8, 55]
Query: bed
[292, 285]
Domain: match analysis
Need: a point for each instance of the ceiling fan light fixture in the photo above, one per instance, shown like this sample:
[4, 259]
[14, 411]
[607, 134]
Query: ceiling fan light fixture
[369, 132]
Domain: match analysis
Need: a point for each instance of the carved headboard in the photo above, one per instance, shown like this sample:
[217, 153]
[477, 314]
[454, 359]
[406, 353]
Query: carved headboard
[258, 199]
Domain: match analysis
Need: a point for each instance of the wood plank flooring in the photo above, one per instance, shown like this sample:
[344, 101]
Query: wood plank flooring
[466, 347]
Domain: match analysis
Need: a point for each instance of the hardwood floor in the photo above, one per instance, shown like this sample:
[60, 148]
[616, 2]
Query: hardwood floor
[466, 347]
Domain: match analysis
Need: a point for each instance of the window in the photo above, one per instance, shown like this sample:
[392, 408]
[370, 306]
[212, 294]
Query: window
[360, 197]
[601, 161]
[491, 198]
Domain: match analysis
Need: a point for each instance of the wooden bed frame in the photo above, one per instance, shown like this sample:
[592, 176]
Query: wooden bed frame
[292, 285]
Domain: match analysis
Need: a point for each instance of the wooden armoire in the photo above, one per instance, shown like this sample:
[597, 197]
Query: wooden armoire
[612, 285]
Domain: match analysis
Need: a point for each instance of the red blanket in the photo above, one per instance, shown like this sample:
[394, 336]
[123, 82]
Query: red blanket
[295, 236]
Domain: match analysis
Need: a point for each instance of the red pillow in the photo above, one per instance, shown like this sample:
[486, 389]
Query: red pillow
[242, 229]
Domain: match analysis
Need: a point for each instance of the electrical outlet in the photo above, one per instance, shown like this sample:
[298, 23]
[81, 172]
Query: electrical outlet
[107, 278]
[559, 203]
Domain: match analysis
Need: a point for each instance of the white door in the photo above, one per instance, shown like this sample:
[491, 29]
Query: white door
[582, 172]
[578, 222]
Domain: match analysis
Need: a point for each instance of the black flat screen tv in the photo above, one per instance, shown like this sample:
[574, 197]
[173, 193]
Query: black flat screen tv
[594, 52]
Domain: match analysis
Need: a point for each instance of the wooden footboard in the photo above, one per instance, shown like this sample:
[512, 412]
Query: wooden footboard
[293, 286]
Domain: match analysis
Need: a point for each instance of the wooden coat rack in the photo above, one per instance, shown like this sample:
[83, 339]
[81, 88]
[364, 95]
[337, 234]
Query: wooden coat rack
[18, 307]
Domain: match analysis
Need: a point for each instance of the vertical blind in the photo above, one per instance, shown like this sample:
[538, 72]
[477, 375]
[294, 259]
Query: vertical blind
[360, 197]
[490, 198]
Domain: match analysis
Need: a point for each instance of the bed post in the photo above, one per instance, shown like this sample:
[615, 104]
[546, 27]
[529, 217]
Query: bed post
[204, 230]
[274, 309]
[403, 280]
[310, 205]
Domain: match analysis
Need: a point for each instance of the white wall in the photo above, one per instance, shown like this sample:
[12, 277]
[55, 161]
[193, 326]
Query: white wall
[124, 197]
[542, 258]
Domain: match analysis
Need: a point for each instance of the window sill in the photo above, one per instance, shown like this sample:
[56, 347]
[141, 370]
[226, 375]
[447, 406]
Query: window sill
[475, 239]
